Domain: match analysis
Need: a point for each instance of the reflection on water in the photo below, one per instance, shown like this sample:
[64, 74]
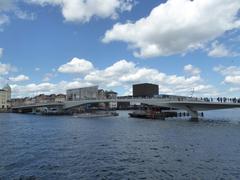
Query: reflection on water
[64, 147]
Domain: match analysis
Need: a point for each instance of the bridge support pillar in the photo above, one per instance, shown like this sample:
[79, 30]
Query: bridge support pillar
[194, 116]
[193, 113]
[34, 110]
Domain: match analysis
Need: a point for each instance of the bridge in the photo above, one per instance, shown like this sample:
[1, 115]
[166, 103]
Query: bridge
[32, 107]
[191, 105]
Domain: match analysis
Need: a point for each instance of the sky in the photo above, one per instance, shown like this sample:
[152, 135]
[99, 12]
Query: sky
[184, 46]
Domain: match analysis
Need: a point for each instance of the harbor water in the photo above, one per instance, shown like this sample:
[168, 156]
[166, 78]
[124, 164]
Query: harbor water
[64, 147]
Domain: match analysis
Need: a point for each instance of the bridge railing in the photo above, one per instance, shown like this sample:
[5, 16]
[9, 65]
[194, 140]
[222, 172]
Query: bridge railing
[38, 104]
[189, 99]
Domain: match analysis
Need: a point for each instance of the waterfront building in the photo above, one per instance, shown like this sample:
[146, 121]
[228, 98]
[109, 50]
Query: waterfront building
[89, 93]
[29, 101]
[145, 90]
[17, 102]
[101, 94]
[40, 99]
[5, 97]
[106, 94]
[113, 105]
[60, 98]
[8, 89]
[111, 94]
[82, 93]
[22, 101]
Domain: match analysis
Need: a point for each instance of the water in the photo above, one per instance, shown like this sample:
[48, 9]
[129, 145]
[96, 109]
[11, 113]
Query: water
[64, 147]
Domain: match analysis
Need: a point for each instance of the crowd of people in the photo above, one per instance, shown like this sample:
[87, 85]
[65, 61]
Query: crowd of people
[222, 100]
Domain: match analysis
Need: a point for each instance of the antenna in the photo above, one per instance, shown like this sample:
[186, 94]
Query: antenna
[192, 92]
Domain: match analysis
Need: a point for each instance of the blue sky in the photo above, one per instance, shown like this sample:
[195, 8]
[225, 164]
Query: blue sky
[48, 46]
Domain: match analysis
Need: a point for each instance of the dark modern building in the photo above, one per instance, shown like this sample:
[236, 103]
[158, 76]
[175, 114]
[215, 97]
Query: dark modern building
[145, 90]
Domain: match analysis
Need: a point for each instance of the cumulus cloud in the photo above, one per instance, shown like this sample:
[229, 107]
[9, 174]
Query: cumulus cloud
[76, 65]
[231, 74]
[220, 50]
[190, 69]
[34, 89]
[84, 10]
[177, 26]
[124, 73]
[120, 75]
[19, 78]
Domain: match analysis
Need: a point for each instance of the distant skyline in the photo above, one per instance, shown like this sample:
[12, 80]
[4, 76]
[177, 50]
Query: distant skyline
[48, 46]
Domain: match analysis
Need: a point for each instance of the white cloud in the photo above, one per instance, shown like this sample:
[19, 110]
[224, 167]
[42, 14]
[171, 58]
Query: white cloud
[19, 78]
[234, 80]
[227, 71]
[231, 74]
[1, 52]
[24, 15]
[124, 73]
[177, 26]
[120, 75]
[8, 7]
[76, 65]
[45, 88]
[5, 68]
[4, 19]
[192, 70]
[32, 89]
[220, 50]
[84, 10]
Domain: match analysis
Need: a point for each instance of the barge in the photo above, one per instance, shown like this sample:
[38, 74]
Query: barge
[152, 114]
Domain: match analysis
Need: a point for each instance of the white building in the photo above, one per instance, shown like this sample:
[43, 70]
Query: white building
[113, 105]
[82, 93]
[60, 98]
[5, 97]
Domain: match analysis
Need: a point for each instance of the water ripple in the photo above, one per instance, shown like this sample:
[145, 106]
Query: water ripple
[36, 147]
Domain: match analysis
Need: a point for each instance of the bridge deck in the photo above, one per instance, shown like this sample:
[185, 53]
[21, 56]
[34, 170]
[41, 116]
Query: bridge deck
[193, 105]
